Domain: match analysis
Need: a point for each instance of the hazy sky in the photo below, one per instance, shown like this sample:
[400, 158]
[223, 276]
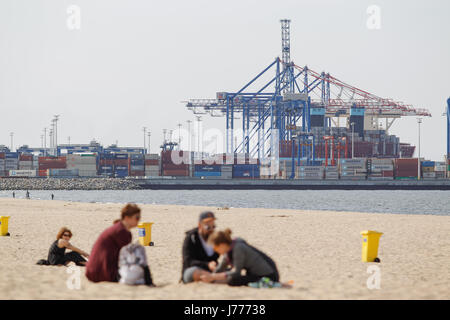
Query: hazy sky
[132, 62]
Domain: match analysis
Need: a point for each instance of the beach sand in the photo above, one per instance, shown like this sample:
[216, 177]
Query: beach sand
[319, 250]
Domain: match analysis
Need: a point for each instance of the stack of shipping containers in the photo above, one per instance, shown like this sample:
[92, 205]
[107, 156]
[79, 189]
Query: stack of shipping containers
[331, 173]
[26, 167]
[207, 171]
[11, 161]
[440, 170]
[176, 164]
[26, 162]
[380, 169]
[152, 165]
[406, 169]
[106, 165]
[121, 165]
[310, 172]
[428, 170]
[245, 171]
[137, 165]
[85, 163]
[2, 165]
[353, 169]
[45, 163]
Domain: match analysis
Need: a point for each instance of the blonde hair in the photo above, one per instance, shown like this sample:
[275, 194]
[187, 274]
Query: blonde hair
[219, 237]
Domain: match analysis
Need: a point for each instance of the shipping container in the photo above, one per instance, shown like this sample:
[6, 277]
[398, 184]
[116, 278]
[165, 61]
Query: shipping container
[11, 155]
[26, 157]
[207, 168]
[168, 166]
[121, 156]
[121, 162]
[22, 173]
[137, 156]
[137, 173]
[152, 162]
[174, 172]
[152, 156]
[62, 173]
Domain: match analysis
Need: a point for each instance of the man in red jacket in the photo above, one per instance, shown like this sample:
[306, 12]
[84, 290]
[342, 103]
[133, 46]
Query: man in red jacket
[103, 264]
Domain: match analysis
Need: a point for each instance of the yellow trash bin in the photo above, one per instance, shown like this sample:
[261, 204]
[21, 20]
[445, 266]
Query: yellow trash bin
[370, 245]
[145, 233]
[4, 226]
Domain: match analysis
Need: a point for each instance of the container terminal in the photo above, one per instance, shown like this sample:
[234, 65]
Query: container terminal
[301, 130]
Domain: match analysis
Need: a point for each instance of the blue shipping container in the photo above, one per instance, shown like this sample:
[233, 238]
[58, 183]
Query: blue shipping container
[121, 168]
[121, 156]
[106, 156]
[135, 162]
[246, 174]
[428, 164]
[202, 168]
[137, 156]
[11, 155]
[240, 167]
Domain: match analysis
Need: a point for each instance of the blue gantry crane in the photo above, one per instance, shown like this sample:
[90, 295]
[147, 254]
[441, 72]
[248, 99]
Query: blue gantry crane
[448, 129]
[282, 109]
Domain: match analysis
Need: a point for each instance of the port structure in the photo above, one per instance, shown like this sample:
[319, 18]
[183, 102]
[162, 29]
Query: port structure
[448, 128]
[280, 109]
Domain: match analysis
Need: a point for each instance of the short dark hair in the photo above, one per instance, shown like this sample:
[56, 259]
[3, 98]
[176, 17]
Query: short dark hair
[129, 210]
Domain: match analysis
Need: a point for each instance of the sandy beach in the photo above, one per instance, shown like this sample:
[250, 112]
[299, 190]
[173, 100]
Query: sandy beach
[319, 250]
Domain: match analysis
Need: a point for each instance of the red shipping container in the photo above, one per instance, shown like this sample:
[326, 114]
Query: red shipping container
[151, 162]
[137, 173]
[42, 173]
[106, 162]
[26, 157]
[121, 162]
[179, 156]
[166, 166]
[2, 155]
[388, 173]
[183, 173]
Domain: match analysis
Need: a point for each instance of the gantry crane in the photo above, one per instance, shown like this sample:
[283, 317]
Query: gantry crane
[271, 111]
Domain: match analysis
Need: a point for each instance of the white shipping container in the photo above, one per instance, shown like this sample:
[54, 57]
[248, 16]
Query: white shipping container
[429, 174]
[90, 173]
[22, 173]
[382, 167]
[152, 156]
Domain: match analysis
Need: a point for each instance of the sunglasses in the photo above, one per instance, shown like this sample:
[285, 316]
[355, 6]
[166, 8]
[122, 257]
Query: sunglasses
[208, 227]
[67, 235]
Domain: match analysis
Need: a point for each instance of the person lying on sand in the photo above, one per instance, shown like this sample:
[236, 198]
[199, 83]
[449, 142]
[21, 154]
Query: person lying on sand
[103, 263]
[261, 270]
[57, 255]
[198, 257]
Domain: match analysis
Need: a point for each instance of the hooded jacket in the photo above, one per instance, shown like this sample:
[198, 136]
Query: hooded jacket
[194, 254]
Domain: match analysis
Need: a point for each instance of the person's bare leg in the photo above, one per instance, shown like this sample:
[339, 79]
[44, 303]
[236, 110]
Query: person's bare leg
[198, 273]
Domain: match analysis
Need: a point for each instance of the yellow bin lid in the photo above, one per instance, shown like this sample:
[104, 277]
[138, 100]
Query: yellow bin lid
[367, 232]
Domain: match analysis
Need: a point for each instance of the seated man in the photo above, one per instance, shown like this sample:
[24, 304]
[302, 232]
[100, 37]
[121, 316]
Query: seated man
[199, 257]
